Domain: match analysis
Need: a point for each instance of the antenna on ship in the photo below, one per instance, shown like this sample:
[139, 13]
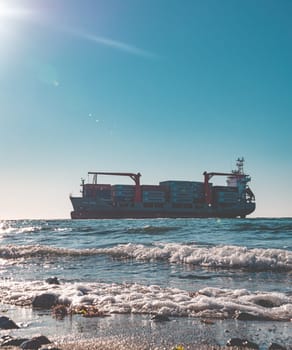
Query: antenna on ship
[82, 186]
[239, 164]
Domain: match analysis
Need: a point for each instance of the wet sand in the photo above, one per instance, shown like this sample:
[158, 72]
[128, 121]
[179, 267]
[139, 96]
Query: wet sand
[108, 345]
[126, 344]
[140, 332]
[135, 343]
[129, 344]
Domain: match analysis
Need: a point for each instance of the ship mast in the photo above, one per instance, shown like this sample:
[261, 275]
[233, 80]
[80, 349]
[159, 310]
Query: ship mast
[239, 164]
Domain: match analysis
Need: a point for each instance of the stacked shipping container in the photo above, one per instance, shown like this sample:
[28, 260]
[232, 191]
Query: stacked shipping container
[123, 193]
[184, 191]
[97, 191]
[225, 194]
[153, 194]
[177, 192]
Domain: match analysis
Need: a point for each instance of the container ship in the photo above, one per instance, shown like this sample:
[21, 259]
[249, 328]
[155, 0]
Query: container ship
[168, 199]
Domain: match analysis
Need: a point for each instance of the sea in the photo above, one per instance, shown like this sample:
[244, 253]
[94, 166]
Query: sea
[210, 280]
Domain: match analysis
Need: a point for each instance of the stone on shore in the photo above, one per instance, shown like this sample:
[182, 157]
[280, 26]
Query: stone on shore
[35, 343]
[44, 301]
[10, 341]
[246, 316]
[160, 318]
[242, 343]
[7, 323]
[53, 280]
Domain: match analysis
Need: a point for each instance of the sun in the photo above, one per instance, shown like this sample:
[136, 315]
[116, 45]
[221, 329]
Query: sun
[3, 8]
[12, 9]
[12, 13]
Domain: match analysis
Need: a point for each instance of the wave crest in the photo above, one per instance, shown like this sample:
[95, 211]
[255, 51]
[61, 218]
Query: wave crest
[226, 257]
[233, 257]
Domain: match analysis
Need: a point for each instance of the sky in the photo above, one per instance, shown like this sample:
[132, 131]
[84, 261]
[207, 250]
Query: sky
[167, 88]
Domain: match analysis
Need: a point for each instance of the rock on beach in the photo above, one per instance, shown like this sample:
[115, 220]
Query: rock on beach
[7, 323]
[44, 301]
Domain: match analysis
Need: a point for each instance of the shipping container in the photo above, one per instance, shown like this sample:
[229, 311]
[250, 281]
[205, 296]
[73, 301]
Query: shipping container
[151, 188]
[225, 189]
[123, 187]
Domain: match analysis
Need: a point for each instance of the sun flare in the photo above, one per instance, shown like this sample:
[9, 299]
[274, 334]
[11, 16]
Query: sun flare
[10, 9]
[4, 9]
[12, 14]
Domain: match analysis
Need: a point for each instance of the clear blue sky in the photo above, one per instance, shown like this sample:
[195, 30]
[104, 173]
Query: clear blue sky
[170, 88]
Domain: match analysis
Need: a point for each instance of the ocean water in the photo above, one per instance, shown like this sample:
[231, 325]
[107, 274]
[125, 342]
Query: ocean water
[188, 269]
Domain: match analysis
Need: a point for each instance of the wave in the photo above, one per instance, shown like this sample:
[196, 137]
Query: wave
[8, 228]
[216, 257]
[212, 257]
[141, 299]
[152, 230]
[264, 226]
[11, 251]
[11, 228]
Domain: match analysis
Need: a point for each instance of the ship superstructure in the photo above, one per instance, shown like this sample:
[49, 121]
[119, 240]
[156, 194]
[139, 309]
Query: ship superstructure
[168, 199]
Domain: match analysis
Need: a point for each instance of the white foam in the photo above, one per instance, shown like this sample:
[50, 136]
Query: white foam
[7, 227]
[11, 251]
[141, 299]
[219, 256]
[235, 257]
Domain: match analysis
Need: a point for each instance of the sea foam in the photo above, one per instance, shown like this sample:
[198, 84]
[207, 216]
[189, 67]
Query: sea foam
[141, 299]
[225, 256]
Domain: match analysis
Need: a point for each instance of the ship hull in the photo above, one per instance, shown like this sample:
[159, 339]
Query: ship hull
[142, 213]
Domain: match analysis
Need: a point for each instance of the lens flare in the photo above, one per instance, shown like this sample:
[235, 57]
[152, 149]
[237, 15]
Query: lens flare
[12, 16]
[10, 9]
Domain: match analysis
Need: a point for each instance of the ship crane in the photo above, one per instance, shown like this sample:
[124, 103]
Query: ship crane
[208, 176]
[133, 176]
[235, 174]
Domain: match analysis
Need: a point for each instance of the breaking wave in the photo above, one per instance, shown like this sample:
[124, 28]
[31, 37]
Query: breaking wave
[226, 257]
[12, 228]
[141, 299]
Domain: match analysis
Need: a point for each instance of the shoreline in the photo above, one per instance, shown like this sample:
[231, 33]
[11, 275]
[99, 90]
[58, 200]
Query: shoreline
[140, 332]
[126, 344]
[120, 343]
